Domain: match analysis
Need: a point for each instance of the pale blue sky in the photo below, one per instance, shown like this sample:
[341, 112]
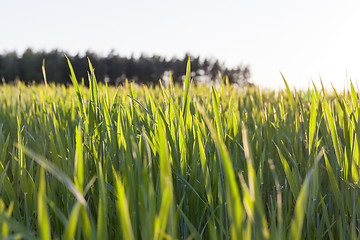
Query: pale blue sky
[302, 39]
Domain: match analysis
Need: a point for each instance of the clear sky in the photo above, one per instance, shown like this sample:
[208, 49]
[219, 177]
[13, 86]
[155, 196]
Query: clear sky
[302, 39]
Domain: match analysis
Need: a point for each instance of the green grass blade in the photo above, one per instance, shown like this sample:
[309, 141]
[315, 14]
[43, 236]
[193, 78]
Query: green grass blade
[293, 183]
[235, 209]
[79, 162]
[17, 227]
[107, 119]
[354, 99]
[57, 173]
[300, 208]
[123, 210]
[291, 98]
[333, 131]
[215, 101]
[312, 124]
[43, 218]
[76, 86]
[102, 232]
[72, 223]
[186, 88]
[334, 186]
[194, 233]
[165, 218]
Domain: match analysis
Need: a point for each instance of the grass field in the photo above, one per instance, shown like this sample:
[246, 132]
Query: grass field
[178, 162]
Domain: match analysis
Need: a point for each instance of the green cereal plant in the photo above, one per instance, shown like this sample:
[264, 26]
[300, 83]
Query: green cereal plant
[178, 162]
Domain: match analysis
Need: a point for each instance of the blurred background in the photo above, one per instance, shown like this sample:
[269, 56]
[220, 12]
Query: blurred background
[251, 41]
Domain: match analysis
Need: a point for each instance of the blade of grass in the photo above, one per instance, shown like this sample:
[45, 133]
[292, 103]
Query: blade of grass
[16, 226]
[122, 207]
[43, 218]
[70, 229]
[235, 210]
[79, 163]
[334, 186]
[57, 173]
[293, 183]
[186, 88]
[300, 208]
[102, 232]
[194, 233]
[312, 124]
[291, 99]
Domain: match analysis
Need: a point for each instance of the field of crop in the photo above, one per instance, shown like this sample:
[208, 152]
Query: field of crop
[173, 162]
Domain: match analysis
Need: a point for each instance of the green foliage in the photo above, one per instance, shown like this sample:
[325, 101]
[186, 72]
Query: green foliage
[177, 163]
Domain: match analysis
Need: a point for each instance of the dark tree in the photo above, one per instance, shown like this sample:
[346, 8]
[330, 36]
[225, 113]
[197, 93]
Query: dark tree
[113, 68]
[9, 67]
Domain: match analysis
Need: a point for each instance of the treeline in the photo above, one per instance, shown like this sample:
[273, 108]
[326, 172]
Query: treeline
[113, 68]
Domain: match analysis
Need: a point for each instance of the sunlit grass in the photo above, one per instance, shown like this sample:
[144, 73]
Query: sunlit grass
[177, 162]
